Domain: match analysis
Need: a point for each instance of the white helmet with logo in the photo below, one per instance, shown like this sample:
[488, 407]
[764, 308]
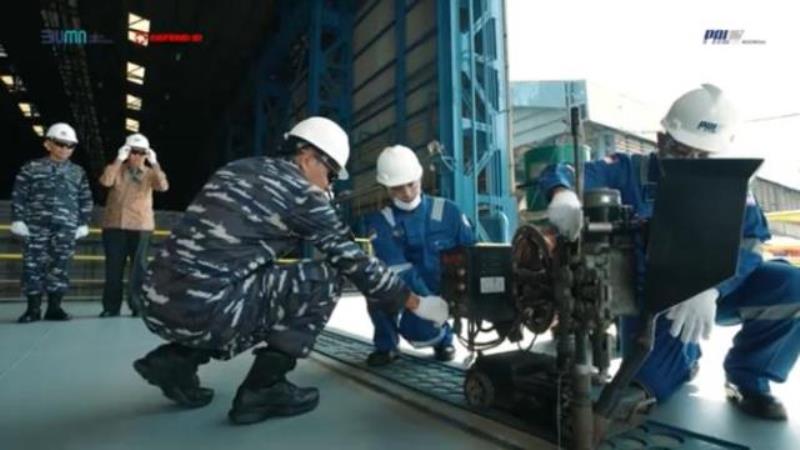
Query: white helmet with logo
[62, 132]
[137, 140]
[702, 118]
[327, 136]
[397, 165]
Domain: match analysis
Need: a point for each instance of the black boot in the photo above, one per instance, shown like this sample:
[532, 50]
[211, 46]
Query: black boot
[444, 353]
[54, 311]
[266, 393]
[380, 358]
[135, 305]
[173, 368]
[757, 404]
[34, 310]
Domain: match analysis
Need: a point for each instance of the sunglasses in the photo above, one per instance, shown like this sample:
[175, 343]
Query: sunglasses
[138, 152]
[333, 173]
[62, 144]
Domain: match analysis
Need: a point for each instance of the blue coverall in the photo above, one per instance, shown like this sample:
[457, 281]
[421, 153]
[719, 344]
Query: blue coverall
[409, 242]
[763, 296]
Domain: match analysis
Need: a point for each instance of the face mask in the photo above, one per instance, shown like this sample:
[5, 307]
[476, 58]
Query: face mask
[410, 206]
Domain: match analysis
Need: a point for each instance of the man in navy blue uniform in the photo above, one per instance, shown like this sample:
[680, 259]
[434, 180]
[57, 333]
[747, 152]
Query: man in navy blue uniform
[51, 206]
[408, 236]
[763, 296]
[215, 289]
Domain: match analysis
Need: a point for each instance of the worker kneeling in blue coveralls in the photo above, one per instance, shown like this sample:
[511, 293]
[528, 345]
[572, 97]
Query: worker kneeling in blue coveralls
[763, 296]
[408, 236]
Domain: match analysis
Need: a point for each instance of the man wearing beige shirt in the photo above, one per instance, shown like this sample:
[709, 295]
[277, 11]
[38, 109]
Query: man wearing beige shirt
[128, 220]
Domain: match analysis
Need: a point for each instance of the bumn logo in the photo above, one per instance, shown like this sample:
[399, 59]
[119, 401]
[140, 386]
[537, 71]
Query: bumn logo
[64, 37]
[76, 36]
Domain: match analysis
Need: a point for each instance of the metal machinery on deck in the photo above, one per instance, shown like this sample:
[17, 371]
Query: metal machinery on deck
[578, 290]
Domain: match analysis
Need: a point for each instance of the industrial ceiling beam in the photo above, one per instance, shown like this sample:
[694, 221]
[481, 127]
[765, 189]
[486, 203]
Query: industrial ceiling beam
[74, 71]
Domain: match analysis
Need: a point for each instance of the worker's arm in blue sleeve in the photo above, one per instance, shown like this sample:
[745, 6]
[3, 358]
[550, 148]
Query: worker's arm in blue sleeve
[754, 231]
[465, 236]
[391, 253]
[20, 195]
[608, 172]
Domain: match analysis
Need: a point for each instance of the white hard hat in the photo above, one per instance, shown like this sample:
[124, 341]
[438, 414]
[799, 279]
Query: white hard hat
[62, 132]
[327, 136]
[702, 118]
[397, 165]
[137, 140]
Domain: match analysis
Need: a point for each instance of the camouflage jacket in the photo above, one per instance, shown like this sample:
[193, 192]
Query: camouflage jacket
[249, 214]
[47, 192]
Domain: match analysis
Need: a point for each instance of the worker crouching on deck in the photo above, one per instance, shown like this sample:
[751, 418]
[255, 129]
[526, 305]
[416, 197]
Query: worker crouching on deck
[214, 289]
[409, 236]
[763, 296]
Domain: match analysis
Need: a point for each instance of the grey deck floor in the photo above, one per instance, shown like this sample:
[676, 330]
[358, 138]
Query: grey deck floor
[699, 406]
[71, 386]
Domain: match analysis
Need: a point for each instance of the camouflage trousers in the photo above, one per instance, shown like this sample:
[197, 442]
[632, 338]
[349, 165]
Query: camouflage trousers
[284, 306]
[297, 315]
[46, 255]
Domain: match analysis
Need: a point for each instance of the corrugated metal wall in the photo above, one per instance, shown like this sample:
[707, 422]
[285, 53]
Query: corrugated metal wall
[775, 197]
[394, 88]
[411, 72]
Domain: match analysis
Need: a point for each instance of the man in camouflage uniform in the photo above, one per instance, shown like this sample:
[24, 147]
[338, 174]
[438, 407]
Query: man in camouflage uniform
[51, 206]
[214, 290]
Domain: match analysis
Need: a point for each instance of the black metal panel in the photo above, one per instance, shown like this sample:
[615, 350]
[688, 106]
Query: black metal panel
[696, 228]
[477, 282]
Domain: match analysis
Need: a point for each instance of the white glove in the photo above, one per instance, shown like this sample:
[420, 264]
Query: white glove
[81, 232]
[694, 317]
[20, 229]
[433, 308]
[151, 157]
[566, 214]
[123, 153]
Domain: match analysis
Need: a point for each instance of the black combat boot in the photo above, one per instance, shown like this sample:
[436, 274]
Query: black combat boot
[266, 393]
[54, 311]
[173, 368]
[34, 310]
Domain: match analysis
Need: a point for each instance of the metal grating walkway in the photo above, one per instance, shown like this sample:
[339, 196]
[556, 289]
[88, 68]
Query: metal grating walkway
[445, 382]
